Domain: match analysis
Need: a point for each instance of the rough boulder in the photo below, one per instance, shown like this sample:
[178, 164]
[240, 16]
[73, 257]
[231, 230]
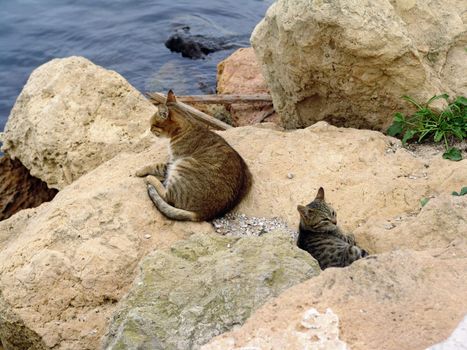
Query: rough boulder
[72, 116]
[203, 287]
[349, 62]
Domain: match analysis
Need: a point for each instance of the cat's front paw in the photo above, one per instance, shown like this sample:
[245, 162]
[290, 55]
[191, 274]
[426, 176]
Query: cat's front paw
[142, 172]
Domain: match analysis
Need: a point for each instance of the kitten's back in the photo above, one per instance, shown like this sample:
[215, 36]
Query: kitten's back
[320, 236]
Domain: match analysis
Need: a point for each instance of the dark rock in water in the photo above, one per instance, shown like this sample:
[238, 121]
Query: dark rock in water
[195, 46]
[19, 190]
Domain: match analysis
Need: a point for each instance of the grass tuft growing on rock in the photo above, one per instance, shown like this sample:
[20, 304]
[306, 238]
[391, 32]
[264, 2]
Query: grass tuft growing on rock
[425, 123]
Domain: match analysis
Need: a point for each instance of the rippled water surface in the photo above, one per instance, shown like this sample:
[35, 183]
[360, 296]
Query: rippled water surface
[124, 35]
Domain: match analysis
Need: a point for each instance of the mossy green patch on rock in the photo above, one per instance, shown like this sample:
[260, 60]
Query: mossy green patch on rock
[203, 287]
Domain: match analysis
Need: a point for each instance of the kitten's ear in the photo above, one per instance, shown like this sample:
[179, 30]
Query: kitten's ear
[320, 194]
[170, 97]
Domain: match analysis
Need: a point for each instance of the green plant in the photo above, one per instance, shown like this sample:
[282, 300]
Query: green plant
[424, 201]
[462, 192]
[425, 123]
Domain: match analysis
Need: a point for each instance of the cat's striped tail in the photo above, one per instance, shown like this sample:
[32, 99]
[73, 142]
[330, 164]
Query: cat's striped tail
[168, 210]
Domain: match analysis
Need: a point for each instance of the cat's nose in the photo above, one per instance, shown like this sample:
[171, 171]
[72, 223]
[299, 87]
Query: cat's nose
[334, 221]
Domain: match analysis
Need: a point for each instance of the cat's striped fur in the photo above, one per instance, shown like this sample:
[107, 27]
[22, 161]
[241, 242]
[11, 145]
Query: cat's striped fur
[322, 238]
[204, 177]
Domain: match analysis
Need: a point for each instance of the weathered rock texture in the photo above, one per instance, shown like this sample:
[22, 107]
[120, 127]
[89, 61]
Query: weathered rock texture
[240, 73]
[399, 300]
[349, 62]
[456, 341]
[72, 116]
[65, 264]
[19, 190]
[314, 331]
[203, 287]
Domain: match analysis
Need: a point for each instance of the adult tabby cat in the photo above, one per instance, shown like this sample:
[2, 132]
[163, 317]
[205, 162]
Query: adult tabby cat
[204, 177]
[320, 236]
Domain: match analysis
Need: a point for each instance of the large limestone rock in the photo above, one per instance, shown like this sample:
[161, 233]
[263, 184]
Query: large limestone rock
[374, 184]
[349, 62]
[72, 116]
[20, 190]
[400, 300]
[203, 287]
[65, 265]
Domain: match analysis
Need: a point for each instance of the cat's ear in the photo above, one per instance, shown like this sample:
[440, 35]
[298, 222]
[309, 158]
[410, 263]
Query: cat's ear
[302, 210]
[320, 194]
[171, 97]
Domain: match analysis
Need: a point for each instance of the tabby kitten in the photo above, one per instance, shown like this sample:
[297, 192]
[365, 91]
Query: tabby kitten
[204, 177]
[320, 236]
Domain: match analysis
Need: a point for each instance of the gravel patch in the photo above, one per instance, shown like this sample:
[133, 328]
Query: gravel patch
[233, 224]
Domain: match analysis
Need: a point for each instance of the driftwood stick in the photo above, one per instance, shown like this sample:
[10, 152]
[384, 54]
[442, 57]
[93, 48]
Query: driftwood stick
[198, 115]
[268, 112]
[225, 99]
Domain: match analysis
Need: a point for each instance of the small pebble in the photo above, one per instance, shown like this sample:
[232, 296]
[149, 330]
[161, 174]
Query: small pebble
[389, 226]
[290, 175]
[241, 225]
[147, 236]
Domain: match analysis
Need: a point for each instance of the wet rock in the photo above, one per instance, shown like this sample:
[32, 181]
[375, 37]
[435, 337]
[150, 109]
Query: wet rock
[195, 46]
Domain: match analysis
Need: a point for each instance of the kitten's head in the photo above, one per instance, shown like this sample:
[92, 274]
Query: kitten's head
[318, 215]
[166, 122]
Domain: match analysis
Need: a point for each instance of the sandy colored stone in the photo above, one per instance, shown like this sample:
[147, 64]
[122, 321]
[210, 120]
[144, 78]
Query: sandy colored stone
[66, 264]
[349, 61]
[441, 221]
[368, 178]
[456, 341]
[401, 300]
[240, 73]
[315, 331]
[72, 116]
[18, 189]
